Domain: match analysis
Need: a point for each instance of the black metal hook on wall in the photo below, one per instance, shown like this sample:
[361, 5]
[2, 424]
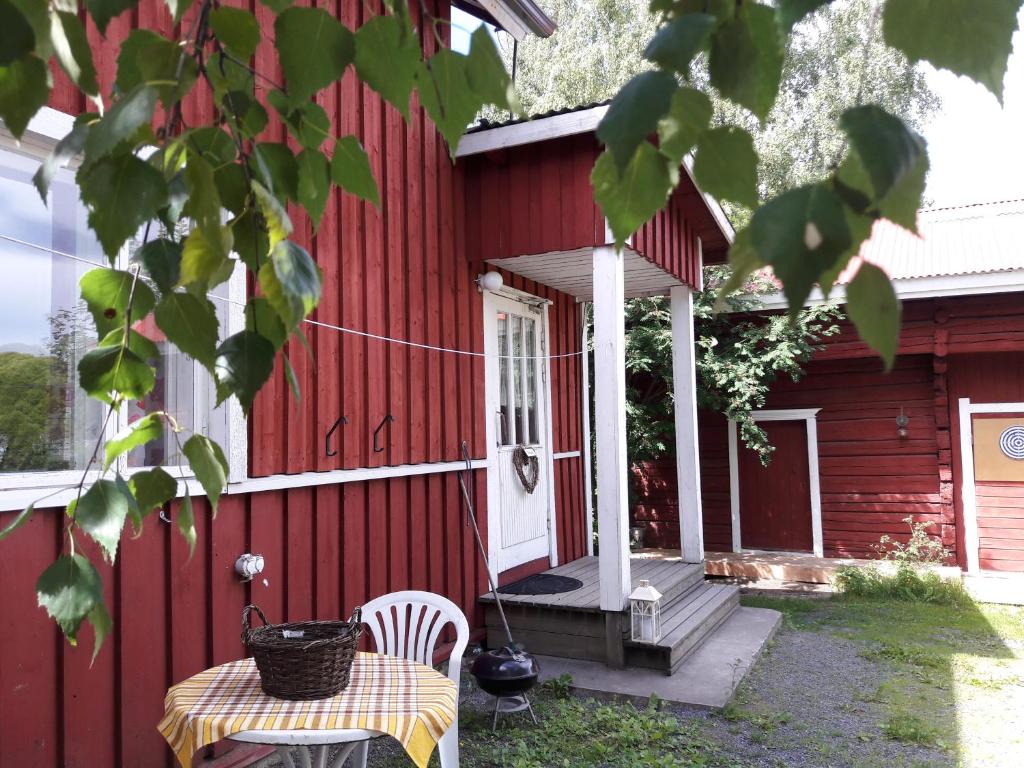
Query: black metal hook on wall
[377, 447]
[327, 438]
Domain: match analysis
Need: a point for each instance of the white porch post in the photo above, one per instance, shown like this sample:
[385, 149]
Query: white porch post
[610, 427]
[684, 376]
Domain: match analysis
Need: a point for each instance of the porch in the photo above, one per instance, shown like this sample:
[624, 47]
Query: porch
[573, 625]
[532, 220]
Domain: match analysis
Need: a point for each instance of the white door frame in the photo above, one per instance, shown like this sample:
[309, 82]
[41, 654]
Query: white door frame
[808, 415]
[490, 408]
[968, 495]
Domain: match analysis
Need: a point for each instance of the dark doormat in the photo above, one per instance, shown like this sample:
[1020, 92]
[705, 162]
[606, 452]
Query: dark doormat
[541, 584]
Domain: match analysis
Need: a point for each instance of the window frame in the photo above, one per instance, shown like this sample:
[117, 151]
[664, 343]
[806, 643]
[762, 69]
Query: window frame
[43, 132]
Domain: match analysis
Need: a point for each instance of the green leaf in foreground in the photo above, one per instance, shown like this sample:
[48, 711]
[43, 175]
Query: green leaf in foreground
[107, 292]
[101, 513]
[875, 310]
[190, 323]
[244, 363]
[314, 184]
[187, 523]
[152, 488]
[122, 121]
[237, 29]
[61, 155]
[161, 259]
[73, 52]
[314, 49]
[487, 74]
[19, 520]
[122, 193]
[69, 590]
[629, 200]
[16, 35]
[209, 466]
[350, 170]
[24, 89]
[279, 226]
[746, 58]
[791, 12]
[677, 42]
[104, 370]
[968, 37]
[688, 117]
[801, 234]
[447, 95]
[634, 113]
[291, 281]
[888, 149]
[726, 165]
[150, 427]
[102, 11]
[387, 56]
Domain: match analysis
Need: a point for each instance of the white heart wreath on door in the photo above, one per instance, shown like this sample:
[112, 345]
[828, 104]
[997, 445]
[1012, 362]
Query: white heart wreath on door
[521, 458]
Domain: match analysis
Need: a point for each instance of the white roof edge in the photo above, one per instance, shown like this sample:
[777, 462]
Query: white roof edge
[570, 124]
[921, 288]
[531, 131]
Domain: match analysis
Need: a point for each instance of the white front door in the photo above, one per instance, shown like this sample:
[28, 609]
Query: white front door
[519, 458]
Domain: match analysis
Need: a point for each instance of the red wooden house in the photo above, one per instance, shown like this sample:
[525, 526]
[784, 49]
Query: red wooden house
[938, 438]
[353, 492]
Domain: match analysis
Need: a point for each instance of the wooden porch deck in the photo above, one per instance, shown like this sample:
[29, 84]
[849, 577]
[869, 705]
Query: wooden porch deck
[667, 573]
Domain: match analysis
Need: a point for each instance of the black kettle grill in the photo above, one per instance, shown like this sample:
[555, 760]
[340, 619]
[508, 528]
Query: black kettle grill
[508, 672]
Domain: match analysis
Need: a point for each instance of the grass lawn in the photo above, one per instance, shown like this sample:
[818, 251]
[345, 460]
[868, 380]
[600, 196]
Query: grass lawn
[859, 683]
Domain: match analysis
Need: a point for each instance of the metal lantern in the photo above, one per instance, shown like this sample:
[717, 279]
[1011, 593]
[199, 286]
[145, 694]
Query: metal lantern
[645, 609]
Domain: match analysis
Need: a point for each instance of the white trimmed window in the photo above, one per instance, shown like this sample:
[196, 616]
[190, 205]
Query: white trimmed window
[48, 426]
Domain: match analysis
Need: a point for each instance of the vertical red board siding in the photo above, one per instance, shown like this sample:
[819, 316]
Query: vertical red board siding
[327, 550]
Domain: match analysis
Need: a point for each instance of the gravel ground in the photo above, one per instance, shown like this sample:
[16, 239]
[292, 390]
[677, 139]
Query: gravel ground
[807, 703]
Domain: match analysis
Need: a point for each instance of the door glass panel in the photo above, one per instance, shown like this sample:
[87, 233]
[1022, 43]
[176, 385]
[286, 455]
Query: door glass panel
[531, 381]
[517, 372]
[504, 420]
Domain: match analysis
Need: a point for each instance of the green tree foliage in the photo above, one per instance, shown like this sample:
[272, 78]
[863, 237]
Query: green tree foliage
[738, 356]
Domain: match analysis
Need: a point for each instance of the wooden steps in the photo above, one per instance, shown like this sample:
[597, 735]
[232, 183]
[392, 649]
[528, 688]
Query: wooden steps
[572, 625]
[684, 624]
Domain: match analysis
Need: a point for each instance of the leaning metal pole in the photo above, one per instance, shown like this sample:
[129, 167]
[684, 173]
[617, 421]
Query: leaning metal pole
[463, 475]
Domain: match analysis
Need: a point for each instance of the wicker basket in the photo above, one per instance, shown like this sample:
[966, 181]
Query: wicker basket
[302, 660]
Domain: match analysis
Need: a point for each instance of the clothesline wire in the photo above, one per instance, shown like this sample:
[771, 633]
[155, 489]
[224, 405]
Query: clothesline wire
[319, 323]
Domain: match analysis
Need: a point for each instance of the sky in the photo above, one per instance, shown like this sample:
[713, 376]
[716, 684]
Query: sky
[976, 145]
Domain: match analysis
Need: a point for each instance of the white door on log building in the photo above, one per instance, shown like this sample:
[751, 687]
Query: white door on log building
[519, 451]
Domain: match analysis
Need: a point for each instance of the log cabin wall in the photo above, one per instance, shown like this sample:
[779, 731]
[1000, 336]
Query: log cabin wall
[402, 271]
[952, 347]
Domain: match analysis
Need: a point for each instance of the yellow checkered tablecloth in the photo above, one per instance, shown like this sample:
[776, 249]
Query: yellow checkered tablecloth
[404, 699]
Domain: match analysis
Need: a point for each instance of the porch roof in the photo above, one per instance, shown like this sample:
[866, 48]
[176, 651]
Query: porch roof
[571, 272]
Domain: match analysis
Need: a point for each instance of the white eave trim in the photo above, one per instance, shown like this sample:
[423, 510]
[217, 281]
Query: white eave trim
[920, 288]
[531, 131]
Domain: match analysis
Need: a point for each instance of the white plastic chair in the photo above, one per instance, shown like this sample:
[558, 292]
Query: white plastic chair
[408, 625]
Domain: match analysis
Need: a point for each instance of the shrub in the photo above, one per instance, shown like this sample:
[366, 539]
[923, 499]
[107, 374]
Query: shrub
[913, 580]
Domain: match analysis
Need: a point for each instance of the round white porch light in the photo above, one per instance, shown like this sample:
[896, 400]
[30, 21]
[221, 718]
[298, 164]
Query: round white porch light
[645, 609]
[490, 281]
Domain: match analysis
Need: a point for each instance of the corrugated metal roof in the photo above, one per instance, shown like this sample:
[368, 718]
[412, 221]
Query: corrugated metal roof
[961, 240]
[486, 125]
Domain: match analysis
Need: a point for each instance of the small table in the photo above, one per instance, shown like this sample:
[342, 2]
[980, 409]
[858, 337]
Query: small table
[386, 695]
